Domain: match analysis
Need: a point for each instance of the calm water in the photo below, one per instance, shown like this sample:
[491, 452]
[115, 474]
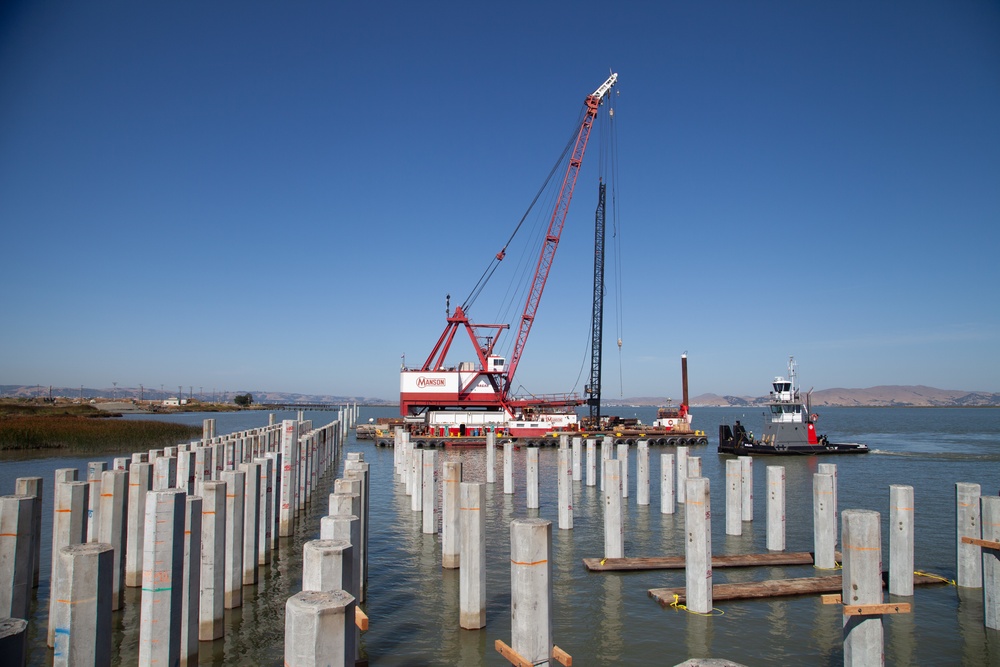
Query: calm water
[605, 619]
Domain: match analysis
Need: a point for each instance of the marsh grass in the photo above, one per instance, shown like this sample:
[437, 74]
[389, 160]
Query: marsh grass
[86, 434]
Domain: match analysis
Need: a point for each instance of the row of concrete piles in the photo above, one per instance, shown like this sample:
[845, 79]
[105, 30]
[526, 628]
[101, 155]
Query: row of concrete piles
[191, 525]
[323, 622]
[463, 539]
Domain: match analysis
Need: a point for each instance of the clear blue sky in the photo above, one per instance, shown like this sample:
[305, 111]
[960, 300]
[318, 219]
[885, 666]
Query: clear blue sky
[277, 196]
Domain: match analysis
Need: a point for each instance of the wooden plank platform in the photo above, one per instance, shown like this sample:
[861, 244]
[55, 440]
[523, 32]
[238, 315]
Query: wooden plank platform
[677, 562]
[775, 588]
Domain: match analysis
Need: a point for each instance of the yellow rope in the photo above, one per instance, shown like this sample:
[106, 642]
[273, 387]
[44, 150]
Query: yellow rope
[935, 576]
[676, 604]
[836, 566]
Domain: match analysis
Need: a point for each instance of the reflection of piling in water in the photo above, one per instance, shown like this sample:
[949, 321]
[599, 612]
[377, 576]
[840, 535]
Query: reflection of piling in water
[900, 540]
[775, 508]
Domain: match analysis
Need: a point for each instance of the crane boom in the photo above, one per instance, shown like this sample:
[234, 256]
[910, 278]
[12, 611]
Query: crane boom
[554, 231]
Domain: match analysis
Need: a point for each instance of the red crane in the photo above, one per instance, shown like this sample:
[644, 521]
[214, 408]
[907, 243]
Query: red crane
[433, 385]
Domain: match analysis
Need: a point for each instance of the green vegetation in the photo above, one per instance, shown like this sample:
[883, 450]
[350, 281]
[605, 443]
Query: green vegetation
[82, 428]
[243, 400]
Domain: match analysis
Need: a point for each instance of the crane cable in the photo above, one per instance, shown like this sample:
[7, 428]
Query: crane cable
[495, 262]
[616, 235]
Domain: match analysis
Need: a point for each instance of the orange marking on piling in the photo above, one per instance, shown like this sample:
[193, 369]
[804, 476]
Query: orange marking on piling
[537, 562]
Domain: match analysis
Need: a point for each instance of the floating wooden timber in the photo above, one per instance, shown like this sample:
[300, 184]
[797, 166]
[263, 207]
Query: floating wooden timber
[677, 562]
[776, 588]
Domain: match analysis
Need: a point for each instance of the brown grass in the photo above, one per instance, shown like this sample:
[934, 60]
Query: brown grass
[86, 434]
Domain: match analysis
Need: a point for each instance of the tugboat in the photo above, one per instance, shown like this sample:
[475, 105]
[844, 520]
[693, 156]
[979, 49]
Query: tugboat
[791, 429]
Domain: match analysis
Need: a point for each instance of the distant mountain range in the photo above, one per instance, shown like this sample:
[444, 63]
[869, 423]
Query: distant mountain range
[882, 396]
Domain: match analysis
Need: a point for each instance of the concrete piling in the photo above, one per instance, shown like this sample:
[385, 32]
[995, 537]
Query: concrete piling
[694, 466]
[17, 523]
[491, 457]
[734, 497]
[667, 505]
[698, 546]
[824, 522]
[531, 589]
[746, 484]
[191, 581]
[94, 471]
[862, 576]
[577, 458]
[531, 478]
[113, 528]
[33, 486]
[775, 508]
[472, 554]
[327, 565]
[428, 494]
[251, 521]
[970, 566]
[69, 527]
[289, 455]
[990, 508]
[348, 528]
[417, 480]
[140, 483]
[901, 540]
[14, 641]
[162, 577]
[356, 468]
[81, 609]
[235, 492]
[682, 473]
[187, 471]
[606, 455]
[212, 579]
[565, 489]
[266, 509]
[320, 629]
[164, 473]
[591, 462]
[508, 468]
[623, 457]
[450, 503]
[642, 473]
[614, 535]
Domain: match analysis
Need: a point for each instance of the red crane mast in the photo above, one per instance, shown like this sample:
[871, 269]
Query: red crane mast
[548, 252]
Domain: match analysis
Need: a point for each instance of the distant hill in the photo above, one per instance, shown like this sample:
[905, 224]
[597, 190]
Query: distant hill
[886, 395]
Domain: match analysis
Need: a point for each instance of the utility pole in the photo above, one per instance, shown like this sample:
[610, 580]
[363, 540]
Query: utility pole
[140, 393]
[114, 392]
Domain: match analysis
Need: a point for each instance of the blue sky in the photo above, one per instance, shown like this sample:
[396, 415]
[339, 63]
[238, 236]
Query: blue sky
[278, 196]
